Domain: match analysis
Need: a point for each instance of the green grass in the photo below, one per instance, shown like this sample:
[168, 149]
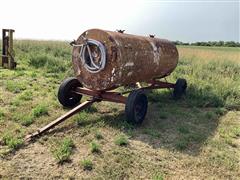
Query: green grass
[210, 115]
[15, 87]
[27, 120]
[158, 177]
[87, 164]
[223, 159]
[152, 132]
[2, 114]
[182, 144]
[63, 149]
[26, 95]
[11, 141]
[211, 82]
[163, 115]
[183, 129]
[40, 110]
[98, 135]
[23, 119]
[121, 140]
[50, 63]
[82, 117]
[220, 111]
[95, 147]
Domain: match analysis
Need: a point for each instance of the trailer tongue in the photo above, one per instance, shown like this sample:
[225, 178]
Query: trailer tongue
[51, 125]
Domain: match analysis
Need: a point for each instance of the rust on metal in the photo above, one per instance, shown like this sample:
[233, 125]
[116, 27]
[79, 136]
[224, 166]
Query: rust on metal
[129, 59]
[159, 85]
[7, 60]
[102, 95]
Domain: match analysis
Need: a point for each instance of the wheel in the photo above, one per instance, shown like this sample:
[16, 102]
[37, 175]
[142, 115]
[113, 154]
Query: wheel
[65, 95]
[136, 107]
[180, 88]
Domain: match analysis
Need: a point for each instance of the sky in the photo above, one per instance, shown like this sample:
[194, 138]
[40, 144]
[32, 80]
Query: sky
[184, 20]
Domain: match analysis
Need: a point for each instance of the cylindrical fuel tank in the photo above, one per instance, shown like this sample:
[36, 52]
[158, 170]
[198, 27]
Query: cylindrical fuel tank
[105, 59]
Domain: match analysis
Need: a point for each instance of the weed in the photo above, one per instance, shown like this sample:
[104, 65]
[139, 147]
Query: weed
[26, 95]
[87, 164]
[15, 102]
[98, 135]
[63, 150]
[210, 115]
[187, 139]
[52, 64]
[229, 132]
[55, 65]
[236, 132]
[121, 140]
[82, 117]
[203, 97]
[152, 132]
[158, 176]
[195, 137]
[23, 119]
[230, 142]
[38, 61]
[154, 96]
[224, 159]
[11, 141]
[19, 72]
[183, 129]
[195, 110]
[40, 110]
[33, 74]
[163, 115]
[182, 144]
[26, 120]
[220, 111]
[15, 87]
[2, 114]
[91, 109]
[95, 147]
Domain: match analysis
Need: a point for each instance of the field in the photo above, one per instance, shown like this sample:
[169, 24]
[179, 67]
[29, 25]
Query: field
[197, 137]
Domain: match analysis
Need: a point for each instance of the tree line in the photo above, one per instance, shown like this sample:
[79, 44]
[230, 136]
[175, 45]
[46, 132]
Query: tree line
[210, 43]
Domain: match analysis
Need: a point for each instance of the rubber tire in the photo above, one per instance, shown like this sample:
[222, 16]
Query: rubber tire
[136, 99]
[180, 88]
[65, 96]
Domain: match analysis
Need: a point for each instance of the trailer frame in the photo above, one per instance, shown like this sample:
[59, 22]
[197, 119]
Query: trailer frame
[98, 96]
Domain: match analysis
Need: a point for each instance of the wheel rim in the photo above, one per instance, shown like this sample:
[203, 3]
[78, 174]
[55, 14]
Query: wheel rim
[71, 95]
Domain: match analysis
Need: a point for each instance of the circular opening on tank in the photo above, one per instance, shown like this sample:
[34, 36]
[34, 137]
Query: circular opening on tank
[93, 56]
[96, 56]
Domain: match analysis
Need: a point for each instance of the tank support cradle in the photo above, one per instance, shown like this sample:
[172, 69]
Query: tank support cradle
[96, 96]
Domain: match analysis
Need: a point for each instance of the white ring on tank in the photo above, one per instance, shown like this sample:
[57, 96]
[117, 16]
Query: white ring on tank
[94, 68]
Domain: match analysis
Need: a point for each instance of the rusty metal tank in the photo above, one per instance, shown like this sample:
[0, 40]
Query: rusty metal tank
[105, 59]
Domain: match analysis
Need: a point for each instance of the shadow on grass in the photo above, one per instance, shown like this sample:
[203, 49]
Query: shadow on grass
[182, 125]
